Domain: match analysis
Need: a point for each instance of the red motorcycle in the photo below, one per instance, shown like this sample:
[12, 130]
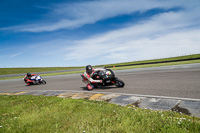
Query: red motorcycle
[108, 78]
[34, 79]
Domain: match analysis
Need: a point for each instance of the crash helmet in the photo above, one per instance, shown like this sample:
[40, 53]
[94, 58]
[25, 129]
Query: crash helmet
[88, 69]
[28, 74]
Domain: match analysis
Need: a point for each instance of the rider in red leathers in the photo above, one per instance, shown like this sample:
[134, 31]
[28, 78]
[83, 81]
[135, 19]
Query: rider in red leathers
[89, 73]
[30, 77]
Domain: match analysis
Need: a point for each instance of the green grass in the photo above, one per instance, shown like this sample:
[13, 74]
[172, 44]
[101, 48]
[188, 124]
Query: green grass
[5, 71]
[49, 74]
[157, 60]
[43, 114]
[156, 65]
[115, 68]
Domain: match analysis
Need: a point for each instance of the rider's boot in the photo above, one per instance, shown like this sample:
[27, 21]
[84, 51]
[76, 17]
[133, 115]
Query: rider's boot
[89, 87]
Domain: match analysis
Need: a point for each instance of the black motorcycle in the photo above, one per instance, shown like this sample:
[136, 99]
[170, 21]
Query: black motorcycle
[108, 78]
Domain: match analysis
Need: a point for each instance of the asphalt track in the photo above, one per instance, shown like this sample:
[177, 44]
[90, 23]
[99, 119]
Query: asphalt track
[181, 81]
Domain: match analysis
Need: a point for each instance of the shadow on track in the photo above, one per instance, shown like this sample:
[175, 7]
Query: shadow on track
[101, 88]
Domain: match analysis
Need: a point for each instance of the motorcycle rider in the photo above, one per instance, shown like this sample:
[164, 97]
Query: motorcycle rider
[33, 76]
[89, 74]
[29, 75]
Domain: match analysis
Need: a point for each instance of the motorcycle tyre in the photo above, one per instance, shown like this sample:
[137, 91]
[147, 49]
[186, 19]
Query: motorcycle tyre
[43, 82]
[119, 83]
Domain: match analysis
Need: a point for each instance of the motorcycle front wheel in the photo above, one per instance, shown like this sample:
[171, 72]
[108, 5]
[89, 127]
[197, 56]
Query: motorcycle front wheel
[119, 83]
[43, 82]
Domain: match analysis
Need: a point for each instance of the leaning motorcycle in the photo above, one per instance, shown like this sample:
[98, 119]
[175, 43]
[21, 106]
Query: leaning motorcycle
[34, 80]
[108, 78]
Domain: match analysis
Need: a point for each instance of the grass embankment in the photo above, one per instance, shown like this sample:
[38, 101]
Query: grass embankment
[156, 65]
[194, 56]
[48, 74]
[5, 71]
[52, 114]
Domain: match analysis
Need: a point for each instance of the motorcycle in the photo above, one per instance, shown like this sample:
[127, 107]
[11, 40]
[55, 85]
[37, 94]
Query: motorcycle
[108, 78]
[36, 79]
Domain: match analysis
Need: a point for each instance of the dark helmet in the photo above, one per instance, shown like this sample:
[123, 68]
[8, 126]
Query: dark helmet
[88, 69]
[28, 74]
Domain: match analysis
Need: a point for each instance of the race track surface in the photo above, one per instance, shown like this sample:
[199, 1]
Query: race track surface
[172, 81]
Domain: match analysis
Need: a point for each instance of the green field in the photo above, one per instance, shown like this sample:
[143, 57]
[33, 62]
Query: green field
[158, 60]
[5, 71]
[42, 114]
[156, 65]
[28, 113]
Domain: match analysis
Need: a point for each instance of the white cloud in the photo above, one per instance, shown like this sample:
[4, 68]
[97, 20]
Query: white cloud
[78, 14]
[14, 55]
[169, 45]
[165, 35]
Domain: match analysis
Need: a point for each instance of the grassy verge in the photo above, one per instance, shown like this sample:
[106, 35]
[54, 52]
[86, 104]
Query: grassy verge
[49, 74]
[5, 71]
[157, 65]
[115, 68]
[157, 60]
[52, 114]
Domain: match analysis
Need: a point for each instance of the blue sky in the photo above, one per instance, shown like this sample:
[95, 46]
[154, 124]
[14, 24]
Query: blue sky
[41, 33]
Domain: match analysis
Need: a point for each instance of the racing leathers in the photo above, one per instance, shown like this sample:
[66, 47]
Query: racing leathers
[90, 79]
[34, 77]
